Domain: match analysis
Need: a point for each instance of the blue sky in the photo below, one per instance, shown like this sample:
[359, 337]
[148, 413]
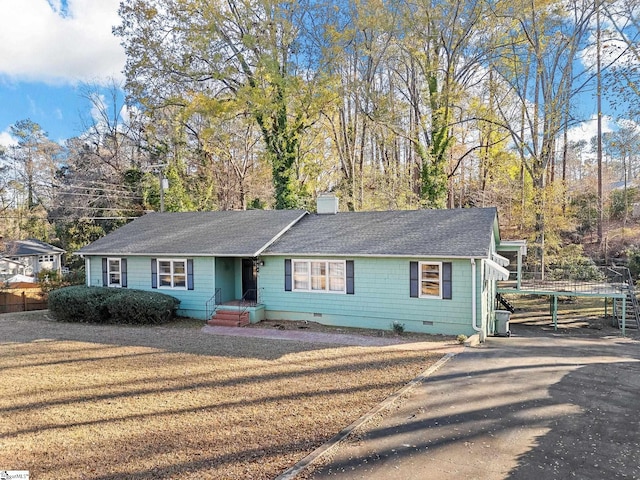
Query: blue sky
[48, 50]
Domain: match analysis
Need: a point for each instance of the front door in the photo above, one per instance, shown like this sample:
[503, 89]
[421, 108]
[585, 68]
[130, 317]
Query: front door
[249, 280]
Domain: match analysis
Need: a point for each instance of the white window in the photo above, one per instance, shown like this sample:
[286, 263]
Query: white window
[172, 273]
[319, 276]
[114, 272]
[300, 275]
[430, 280]
[45, 259]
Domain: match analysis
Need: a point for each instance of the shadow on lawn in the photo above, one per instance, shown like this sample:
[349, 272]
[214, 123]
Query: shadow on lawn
[34, 327]
[83, 404]
[554, 411]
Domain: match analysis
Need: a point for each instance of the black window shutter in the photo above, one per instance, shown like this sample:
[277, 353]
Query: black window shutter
[123, 271]
[190, 274]
[287, 274]
[105, 274]
[446, 281]
[414, 280]
[154, 273]
[350, 280]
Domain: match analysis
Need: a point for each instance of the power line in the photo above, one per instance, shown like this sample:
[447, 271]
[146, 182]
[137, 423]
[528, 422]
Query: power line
[64, 207]
[90, 187]
[78, 194]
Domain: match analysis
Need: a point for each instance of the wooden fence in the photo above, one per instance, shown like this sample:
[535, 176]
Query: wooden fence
[22, 297]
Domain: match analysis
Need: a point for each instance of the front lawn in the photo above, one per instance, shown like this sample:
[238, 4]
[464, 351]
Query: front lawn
[112, 402]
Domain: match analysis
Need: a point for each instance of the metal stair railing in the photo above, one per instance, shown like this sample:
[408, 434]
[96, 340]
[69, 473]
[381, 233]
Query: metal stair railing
[212, 304]
[505, 303]
[254, 299]
[631, 294]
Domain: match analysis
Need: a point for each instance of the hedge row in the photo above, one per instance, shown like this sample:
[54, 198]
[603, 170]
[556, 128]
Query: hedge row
[111, 305]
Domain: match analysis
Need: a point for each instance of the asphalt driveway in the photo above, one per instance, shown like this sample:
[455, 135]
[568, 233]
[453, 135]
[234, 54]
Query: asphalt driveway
[534, 406]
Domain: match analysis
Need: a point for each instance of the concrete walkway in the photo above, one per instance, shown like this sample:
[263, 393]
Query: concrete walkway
[533, 406]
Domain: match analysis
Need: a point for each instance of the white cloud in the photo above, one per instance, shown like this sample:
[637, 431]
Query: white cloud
[589, 129]
[42, 41]
[6, 140]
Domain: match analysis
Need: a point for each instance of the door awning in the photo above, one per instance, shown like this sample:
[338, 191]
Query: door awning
[500, 260]
[493, 271]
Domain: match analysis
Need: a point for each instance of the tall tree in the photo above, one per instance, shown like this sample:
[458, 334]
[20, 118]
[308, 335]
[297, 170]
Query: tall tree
[34, 161]
[100, 185]
[31, 165]
[238, 56]
[537, 65]
[623, 53]
[448, 42]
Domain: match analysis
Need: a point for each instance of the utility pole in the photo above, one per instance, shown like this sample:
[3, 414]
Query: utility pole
[161, 181]
[599, 119]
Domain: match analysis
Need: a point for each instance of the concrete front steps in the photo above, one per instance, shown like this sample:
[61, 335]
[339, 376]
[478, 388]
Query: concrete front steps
[229, 318]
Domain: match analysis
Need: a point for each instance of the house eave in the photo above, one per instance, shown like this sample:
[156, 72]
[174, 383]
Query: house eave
[159, 254]
[377, 255]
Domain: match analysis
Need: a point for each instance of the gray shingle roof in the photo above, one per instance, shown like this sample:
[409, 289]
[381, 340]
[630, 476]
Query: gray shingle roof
[429, 233]
[31, 246]
[226, 233]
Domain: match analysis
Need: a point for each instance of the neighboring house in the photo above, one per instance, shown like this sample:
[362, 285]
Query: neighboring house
[28, 258]
[433, 271]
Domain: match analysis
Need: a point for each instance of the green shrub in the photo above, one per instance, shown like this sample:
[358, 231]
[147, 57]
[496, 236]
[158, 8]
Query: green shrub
[633, 255]
[50, 279]
[111, 305]
[622, 202]
[79, 304]
[138, 307]
[570, 263]
[585, 207]
[397, 327]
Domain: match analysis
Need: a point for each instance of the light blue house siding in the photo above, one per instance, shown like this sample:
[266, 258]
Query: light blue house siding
[192, 302]
[381, 296]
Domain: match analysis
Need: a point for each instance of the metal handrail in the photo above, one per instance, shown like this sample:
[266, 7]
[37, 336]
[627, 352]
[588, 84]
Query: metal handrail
[575, 278]
[212, 304]
[246, 304]
[631, 293]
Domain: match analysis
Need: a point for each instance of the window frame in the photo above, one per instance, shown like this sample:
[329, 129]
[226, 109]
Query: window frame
[325, 278]
[172, 274]
[46, 258]
[421, 279]
[110, 272]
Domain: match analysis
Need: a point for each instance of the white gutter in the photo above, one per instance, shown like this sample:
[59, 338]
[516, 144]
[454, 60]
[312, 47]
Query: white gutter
[87, 266]
[368, 255]
[261, 253]
[474, 297]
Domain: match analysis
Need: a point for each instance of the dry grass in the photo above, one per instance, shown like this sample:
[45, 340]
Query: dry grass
[109, 402]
